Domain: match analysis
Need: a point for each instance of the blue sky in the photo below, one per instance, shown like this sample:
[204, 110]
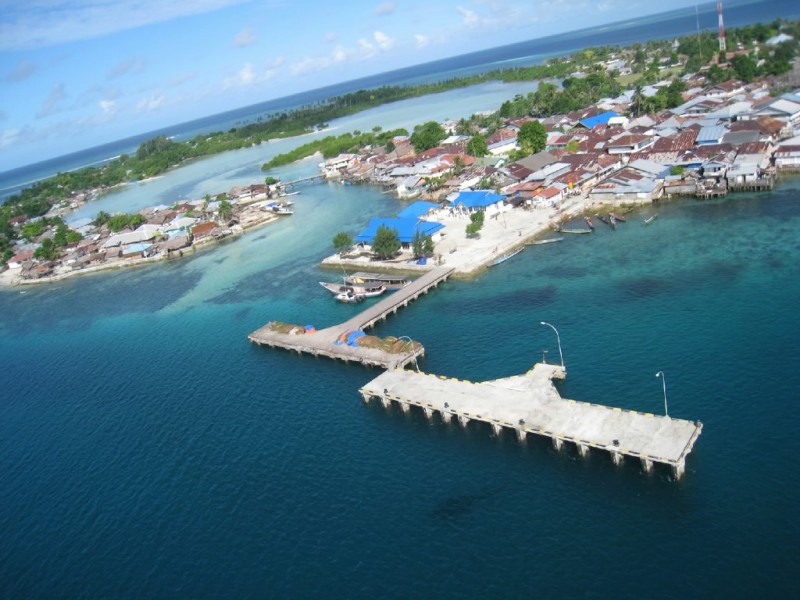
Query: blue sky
[78, 73]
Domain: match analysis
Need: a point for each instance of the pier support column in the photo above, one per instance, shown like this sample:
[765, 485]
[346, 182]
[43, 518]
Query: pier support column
[557, 443]
[366, 397]
[405, 407]
[678, 469]
[647, 465]
[522, 435]
[428, 412]
[446, 416]
[497, 428]
[583, 449]
[385, 401]
[463, 421]
[616, 457]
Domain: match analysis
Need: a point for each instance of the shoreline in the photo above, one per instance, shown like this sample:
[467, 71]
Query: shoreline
[11, 278]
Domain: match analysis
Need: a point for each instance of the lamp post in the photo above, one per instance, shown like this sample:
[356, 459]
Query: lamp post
[558, 339]
[664, 383]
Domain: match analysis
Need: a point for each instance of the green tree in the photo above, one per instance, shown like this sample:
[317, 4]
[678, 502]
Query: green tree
[48, 250]
[477, 146]
[744, 67]
[532, 137]
[225, 211]
[385, 245]
[342, 241]
[32, 229]
[101, 219]
[421, 245]
[270, 180]
[427, 135]
[476, 223]
[637, 101]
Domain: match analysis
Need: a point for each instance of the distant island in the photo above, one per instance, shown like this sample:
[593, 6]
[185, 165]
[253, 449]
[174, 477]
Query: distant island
[655, 75]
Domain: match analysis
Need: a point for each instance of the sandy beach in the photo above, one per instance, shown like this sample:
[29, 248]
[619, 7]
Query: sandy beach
[501, 233]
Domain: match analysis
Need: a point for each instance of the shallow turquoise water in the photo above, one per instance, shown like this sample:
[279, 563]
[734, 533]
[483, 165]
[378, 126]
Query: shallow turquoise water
[147, 449]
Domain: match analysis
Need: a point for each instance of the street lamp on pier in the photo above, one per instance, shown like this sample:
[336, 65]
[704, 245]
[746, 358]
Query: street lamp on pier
[558, 339]
[664, 383]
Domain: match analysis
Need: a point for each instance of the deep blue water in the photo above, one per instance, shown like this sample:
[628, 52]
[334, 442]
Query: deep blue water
[148, 450]
[670, 24]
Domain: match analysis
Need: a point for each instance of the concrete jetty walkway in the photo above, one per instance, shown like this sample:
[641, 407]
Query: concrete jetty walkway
[530, 404]
[322, 341]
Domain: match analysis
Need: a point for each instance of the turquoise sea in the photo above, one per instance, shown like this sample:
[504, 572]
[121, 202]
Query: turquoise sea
[148, 450]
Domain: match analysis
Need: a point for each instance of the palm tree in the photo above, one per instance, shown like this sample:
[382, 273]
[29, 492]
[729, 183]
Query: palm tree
[637, 100]
[225, 211]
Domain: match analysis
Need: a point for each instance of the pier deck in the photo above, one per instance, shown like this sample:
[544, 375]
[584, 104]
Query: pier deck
[322, 341]
[530, 404]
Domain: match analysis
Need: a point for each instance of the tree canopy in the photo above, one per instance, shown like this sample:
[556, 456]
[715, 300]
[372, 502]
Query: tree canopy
[427, 135]
[342, 241]
[477, 146]
[532, 137]
[385, 245]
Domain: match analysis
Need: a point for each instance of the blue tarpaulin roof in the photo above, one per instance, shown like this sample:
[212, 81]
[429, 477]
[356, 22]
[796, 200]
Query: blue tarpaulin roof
[477, 199]
[601, 119]
[406, 228]
[417, 209]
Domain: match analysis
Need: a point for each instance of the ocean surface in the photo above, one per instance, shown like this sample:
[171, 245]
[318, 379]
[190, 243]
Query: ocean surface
[148, 450]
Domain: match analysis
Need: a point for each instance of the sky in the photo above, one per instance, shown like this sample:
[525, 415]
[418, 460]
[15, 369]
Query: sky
[78, 73]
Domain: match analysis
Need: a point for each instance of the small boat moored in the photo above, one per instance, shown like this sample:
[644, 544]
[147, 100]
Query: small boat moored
[365, 291]
[390, 282]
[505, 257]
[349, 297]
[618, 218]
[589, 222]
[650, 219]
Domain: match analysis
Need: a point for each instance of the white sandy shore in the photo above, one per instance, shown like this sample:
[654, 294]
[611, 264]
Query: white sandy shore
[501, 234]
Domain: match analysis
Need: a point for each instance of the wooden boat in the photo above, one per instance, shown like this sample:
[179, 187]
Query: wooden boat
[589, 222]
[612, 221]
[505, 257]
[603, 219]
[650, 219]
[618, 217]
[547, 241]
[390, 282]
[575, 231]
[367, 291]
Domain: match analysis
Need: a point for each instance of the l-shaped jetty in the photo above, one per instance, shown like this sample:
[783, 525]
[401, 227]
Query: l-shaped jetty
[530, 404]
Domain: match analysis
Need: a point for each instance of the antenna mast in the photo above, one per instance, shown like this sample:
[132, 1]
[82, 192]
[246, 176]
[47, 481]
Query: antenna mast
[721, 28]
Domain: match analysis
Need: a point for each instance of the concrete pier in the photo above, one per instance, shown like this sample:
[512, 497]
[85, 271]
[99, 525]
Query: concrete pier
[531, 404]
[322, 341]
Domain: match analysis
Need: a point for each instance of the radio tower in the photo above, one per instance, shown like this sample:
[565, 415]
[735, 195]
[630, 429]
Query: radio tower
[721, 28]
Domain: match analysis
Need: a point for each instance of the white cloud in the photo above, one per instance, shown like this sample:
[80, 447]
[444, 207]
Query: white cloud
[385, 43]
[245, 37]
[386, 8]
[8, 137]
[130, 65]
[471, 19]
[363, 50]
[22, 71]
[109, 107]
[47, 23]
[52, 102]
[150, 103]
[330, 37]
[421, 40]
